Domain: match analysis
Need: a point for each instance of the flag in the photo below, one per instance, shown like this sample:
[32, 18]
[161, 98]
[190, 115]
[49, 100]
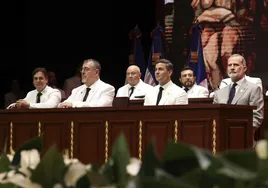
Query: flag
[195, 59]
[136, 56]
[156, 53]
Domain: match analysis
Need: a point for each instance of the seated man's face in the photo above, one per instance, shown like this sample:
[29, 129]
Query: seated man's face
[133, 76]
[162, 75]
[187, 78]
[39, 81]
[235, 69]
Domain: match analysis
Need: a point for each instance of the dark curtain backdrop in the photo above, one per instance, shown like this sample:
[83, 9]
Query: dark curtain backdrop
[59, 35]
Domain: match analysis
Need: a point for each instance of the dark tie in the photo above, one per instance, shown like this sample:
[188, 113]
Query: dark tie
[232, 93]
[85, 97]
[186, 89]
[38, 97]
[159, 95]
[131, 91]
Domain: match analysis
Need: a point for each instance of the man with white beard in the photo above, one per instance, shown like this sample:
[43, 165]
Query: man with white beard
[241, 91]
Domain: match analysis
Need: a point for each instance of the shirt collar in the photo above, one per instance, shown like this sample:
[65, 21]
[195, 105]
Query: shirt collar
[166, 85]
[239, 82]
[129, 86]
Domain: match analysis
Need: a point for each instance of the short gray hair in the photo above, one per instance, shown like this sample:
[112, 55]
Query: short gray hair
[242, 59]
[96, 64]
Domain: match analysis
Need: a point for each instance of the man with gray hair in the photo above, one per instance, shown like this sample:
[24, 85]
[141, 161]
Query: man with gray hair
[241, 91]
[94, 92]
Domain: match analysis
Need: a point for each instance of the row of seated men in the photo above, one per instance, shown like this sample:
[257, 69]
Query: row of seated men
[96, 93]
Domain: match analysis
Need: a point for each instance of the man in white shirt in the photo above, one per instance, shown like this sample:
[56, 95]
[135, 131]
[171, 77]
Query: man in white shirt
[135, 87]
[187, 80]
[94, 92]
[225, 82]
[241, 91]
[166, 92]
[43, 96]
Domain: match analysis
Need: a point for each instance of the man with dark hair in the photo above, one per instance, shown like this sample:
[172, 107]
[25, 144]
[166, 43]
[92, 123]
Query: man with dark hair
[94, 92]
[43, 96]
[187, 79]
[166, 92]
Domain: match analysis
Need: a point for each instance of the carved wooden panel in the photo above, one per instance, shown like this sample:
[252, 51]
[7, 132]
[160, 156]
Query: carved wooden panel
[196, 132]
[23, 131]
[129, 129]
[55, 132]
[237, 135]
[160, 131]
[4, 135]
[89, 141]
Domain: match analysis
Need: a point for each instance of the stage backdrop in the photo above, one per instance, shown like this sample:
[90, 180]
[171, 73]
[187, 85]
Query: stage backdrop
[226, 26]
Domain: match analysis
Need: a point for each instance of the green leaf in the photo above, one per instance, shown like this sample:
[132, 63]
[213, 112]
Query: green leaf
[121, 157]
[108, 171]
[97, 180]
[35, 143]
[83, 182]
[246, 159]
[4, 163]
[235, 171]
[179, 158]
[162, 179]
[194, 178]
[223, 173]
[8, 185]
[150, 161]
[51, 169]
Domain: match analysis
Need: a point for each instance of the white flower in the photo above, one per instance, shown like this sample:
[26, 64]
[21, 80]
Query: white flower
[17, 179]
[29, 158]
[22, 181]
[58, 185]
[68, 161]
[133, 167]
[74, 173]
[10, 157]
[89, 167]
[261, 149]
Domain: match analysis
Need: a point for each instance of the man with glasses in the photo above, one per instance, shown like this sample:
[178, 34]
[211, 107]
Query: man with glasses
[135, 87]
[94, 92]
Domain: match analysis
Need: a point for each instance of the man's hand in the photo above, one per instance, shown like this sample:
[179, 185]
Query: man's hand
[22, 104]
[65, 105]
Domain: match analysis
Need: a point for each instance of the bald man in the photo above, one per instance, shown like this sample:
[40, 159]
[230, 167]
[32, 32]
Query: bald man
[135, 87]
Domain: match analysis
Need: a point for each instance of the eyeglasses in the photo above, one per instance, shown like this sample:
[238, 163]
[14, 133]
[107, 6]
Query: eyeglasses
[131, 73]
[85, 69]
